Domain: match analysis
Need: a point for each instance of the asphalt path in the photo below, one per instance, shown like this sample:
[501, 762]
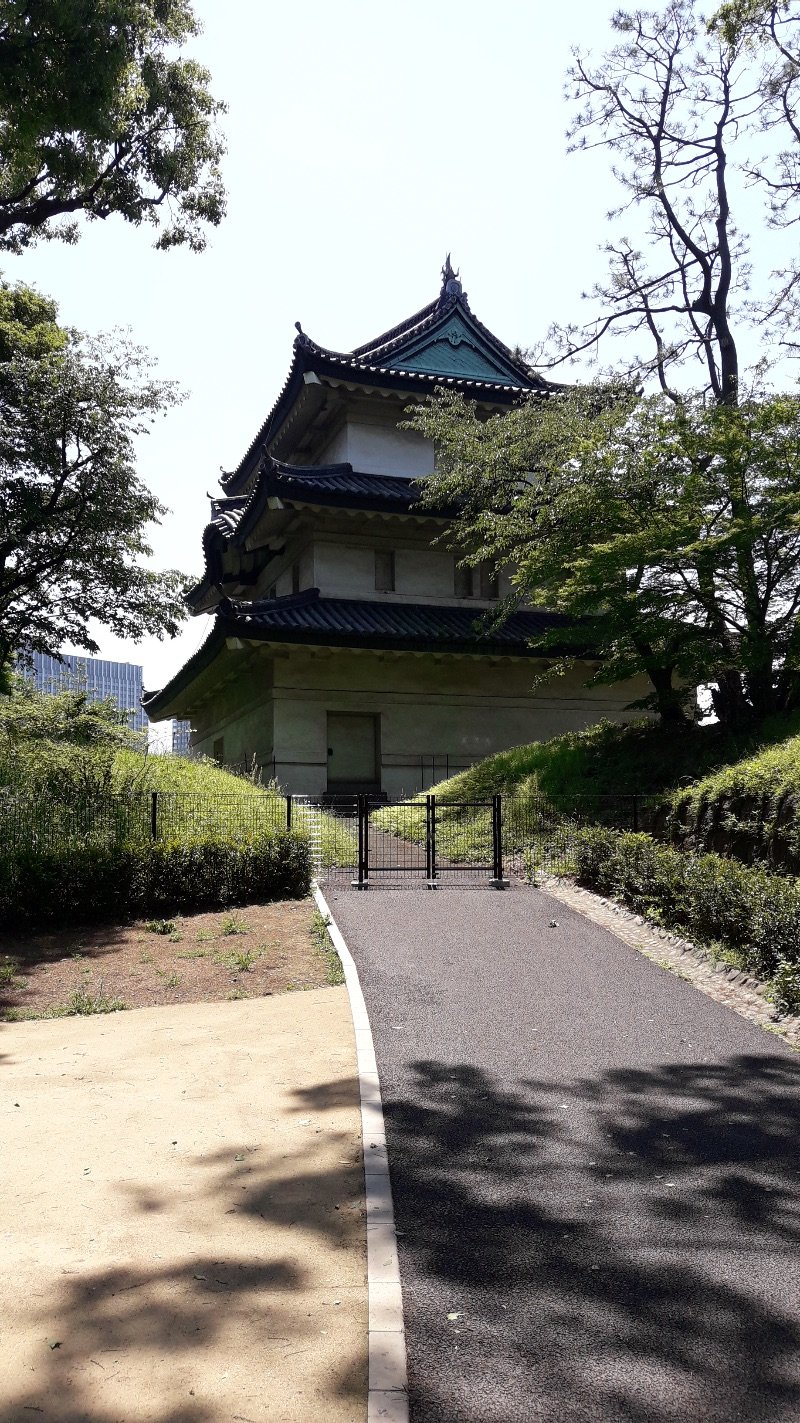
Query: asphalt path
[596, 1170]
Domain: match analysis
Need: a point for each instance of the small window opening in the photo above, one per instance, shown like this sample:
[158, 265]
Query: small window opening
[490, 584]
[384, 571]
[295, 577]
[463, 582]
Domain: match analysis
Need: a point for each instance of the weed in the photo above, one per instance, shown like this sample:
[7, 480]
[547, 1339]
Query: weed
[238, 962]
[204, 936]
[77, 955]
[160, 926]
[334, 973]
[8, 973]
[175, 937]
[234, 924]
[237, 993]
[193, 954]
[171, 980]
[786, 986]
[146, 958]
[82, 1003]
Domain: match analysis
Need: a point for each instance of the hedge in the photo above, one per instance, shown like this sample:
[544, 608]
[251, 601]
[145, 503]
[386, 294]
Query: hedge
[95, 881]
[739, 907]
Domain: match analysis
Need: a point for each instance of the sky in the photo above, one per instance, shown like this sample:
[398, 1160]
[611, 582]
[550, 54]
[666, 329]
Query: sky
[365, 141]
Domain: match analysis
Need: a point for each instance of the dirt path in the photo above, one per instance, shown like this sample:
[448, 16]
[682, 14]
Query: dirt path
[183, 1237]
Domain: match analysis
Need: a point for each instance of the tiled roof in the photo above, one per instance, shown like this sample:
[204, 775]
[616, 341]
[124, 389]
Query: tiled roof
[306, 619]
[350, 622]
[342, 486]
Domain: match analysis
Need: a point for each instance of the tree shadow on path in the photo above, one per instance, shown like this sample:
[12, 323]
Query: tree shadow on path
[623, 1247]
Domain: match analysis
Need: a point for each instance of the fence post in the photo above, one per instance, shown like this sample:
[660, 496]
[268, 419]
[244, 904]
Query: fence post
[288, 812]
[497, 842]
[430, 838]
[363, 842]
[154, 815]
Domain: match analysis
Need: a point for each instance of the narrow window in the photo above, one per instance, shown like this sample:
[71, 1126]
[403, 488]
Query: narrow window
[384, 571]
[463, 583]
[490, 586]
[219, 750]
[295, 577]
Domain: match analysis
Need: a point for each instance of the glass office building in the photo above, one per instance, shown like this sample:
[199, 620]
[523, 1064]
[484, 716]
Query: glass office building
[181, 736]
[96, 676]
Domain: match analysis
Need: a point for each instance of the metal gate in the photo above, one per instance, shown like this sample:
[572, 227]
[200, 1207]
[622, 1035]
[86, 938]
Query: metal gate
[429, 841]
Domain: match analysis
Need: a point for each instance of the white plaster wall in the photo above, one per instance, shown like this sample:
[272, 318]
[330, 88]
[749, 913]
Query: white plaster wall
[344, 571]
[424, 572]
[379, 448]
[447, 708]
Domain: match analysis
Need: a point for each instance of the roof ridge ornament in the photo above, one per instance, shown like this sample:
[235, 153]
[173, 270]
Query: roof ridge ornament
[451, 286]
[301, 339]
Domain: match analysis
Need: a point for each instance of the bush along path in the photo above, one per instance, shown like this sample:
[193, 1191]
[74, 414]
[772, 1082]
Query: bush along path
[745, 914]
[594, 1170]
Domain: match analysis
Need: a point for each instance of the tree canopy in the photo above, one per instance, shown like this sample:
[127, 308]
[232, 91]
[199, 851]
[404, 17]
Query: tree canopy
[669, 533]
[69, 716]
[100, 115]
[666, 526]
[693, 113]
[73, 512]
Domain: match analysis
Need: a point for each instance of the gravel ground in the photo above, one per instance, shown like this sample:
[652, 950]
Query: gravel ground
[595, 1167]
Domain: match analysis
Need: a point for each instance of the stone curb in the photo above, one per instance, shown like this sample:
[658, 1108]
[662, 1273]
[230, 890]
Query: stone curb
[387, 1397]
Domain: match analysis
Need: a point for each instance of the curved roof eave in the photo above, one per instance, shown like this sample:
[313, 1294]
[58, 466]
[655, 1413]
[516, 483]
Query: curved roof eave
[159, 705]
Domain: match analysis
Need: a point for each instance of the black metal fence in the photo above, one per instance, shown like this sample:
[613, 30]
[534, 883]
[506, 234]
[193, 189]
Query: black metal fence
[426, 839]
[49, 823]
[539, 831]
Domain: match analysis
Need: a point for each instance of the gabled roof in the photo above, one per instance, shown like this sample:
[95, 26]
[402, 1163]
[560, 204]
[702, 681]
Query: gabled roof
[444, 344]
[307, 619]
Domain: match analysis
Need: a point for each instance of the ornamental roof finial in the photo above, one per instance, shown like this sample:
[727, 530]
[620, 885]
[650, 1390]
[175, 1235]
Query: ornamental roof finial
[300, 339]
[451, 286]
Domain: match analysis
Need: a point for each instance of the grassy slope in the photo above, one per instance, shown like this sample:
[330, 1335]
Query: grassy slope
[177, 774]
[613, 760]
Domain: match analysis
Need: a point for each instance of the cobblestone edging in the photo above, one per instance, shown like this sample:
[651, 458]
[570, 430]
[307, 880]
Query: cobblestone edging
[736, 989]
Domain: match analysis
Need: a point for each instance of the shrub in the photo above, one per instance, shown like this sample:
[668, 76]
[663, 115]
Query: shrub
[719, 901]
[100, 881]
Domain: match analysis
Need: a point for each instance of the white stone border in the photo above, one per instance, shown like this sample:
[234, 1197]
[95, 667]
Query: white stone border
[387, 1398]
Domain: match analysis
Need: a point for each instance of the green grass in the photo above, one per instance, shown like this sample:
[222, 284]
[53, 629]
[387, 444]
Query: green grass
[754, 779]
[80, 1004]
[237, 960]
[234, 924]
[607, 759]
[750, 809]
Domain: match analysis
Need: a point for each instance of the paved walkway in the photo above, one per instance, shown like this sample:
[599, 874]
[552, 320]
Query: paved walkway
[596, 1170]
[182, 1236]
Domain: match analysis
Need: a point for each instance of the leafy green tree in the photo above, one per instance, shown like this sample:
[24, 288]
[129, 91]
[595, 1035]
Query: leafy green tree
[73, 513]
[99, 114]
[668, 533]
[69, 716]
